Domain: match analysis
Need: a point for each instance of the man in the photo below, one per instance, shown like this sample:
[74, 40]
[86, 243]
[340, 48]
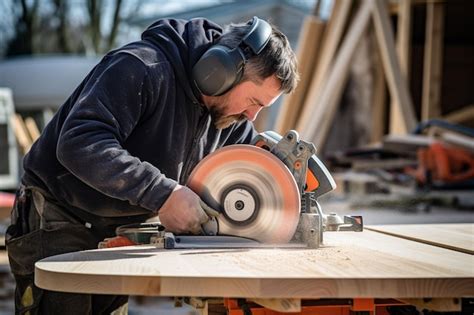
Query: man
[122, 146]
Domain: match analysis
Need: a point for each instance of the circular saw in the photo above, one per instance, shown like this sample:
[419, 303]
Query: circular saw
[266, 195]
[255, 192]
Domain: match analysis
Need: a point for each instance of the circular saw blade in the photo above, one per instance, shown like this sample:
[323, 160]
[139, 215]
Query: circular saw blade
[255, 192]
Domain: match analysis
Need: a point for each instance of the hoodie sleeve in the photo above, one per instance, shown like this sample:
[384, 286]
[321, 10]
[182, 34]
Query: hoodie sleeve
[108, 109]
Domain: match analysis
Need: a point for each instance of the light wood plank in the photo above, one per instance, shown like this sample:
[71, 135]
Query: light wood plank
[433, 61]
[462, 115]
[309, 46]
[21, 132]
[4, 264]
[332, 38]
[32, 128]
[458, 140]
[379, 95]
[350, 264]
[403, 52]
[458, 237]
[396, 84]
[404, 37]
[324, 106]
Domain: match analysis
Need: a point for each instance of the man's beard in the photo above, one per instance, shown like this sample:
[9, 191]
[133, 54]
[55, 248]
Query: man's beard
[221, 120]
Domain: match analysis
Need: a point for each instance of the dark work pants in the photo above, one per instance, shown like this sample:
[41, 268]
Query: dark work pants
[41, 228]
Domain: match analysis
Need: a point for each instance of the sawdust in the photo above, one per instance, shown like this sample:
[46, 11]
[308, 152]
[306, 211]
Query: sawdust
[284, 262]
[332, 260]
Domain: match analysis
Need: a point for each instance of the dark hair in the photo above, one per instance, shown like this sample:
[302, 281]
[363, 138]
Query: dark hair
[277, 58]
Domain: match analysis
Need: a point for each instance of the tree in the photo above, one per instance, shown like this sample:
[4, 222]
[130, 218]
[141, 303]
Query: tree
[52, 26]
[22, 43]
[94, 9]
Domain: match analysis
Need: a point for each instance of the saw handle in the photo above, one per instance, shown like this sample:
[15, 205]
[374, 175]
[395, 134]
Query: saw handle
[318, 178]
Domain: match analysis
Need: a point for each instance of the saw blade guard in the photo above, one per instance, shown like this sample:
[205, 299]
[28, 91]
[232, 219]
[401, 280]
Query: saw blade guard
[255, 192]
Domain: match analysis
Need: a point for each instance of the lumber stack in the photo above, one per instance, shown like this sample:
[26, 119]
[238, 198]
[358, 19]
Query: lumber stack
[349, 21]
[326, 51]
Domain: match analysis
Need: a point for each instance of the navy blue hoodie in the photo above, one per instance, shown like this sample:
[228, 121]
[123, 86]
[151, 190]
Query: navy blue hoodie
[134, 128]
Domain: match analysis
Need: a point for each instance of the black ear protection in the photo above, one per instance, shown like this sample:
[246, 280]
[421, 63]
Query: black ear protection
[220, 68]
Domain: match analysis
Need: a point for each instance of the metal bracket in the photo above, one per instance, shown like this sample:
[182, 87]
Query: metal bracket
[334, 222]
[292, 151]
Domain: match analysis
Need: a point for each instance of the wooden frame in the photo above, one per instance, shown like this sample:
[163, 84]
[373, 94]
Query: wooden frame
[322, 102]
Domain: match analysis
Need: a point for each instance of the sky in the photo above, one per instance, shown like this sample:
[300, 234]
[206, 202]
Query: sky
[132, 8]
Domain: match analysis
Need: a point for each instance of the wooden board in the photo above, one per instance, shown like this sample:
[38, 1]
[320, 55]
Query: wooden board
[309, 45]
[458, 237]
[4, 265]
[379, 96]
[462, 115]
[21, 132]
[397, 85]
[404, 35]
[324, 106]
[433, 61]
[333, 34]
[350, 264]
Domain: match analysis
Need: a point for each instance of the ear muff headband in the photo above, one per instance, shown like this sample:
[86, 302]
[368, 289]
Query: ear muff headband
[220, 68]
[258, 36]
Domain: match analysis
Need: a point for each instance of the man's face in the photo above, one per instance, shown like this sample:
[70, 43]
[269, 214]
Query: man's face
[244, 101]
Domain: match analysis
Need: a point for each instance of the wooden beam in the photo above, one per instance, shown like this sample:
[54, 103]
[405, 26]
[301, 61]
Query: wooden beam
[458, 140]
[433, 61]
[379, 95]
[309, 46]
[332, 38]
[325, 106]
[404, 54]
[404, 37]
[21, 132]
[394, 6]
[32, 128]
[464, 114]
[396, 84]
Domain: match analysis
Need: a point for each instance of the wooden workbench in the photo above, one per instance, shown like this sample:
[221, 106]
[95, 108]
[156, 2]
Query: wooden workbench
[350, 264]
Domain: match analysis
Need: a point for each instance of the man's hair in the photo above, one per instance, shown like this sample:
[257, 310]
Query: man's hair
[277, 58]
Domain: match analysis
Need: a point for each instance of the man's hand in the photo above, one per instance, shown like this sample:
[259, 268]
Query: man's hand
[184, 211]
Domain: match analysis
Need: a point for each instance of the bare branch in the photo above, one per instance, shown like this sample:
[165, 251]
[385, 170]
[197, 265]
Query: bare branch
[115, 24]
[93, 8]
[62, 29]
